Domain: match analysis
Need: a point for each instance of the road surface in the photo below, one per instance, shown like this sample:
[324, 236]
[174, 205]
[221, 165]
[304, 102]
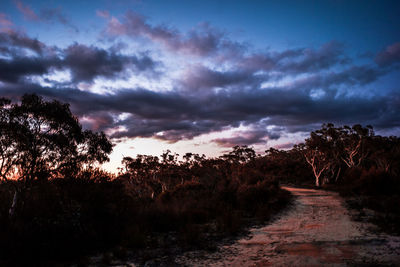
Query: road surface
[316, 231]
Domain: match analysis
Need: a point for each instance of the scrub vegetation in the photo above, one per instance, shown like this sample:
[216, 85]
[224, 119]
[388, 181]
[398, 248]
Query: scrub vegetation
[56, 204]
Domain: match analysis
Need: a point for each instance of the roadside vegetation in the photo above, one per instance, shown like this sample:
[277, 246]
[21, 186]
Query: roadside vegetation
[56, 204]
[363, 167]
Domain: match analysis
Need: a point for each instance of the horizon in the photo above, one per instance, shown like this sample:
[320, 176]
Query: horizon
[204, 76]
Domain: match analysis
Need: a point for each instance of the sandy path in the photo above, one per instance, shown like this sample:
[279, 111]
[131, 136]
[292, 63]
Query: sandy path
[316, 231]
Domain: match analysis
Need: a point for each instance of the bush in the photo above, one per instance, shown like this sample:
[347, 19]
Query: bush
[70, 217]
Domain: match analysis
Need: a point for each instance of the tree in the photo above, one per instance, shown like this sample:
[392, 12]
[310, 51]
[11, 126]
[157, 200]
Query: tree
[321, 150]
[331, 149]
[386, 154]
[240, 154]
[355, 144]
[42, 139]
[8, 155]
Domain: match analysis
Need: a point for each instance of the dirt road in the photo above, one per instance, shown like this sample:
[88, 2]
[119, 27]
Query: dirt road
[317, 231]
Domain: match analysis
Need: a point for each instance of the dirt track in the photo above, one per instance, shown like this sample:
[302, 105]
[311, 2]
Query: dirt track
[316, 231]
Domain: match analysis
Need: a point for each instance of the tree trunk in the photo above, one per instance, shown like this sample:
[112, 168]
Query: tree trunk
[11, 211]
[317, 181]
[337, 175]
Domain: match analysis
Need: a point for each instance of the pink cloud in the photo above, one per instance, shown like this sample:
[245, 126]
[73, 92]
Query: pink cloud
[28, 13]
[390, 55]
[249, 137]
[287, 145]
[103, 14]
[97, 122]
[115, 27]
[5, 23]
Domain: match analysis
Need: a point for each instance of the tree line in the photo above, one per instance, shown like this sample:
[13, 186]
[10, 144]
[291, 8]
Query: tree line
[54, 196]
[331, 151]
[56, 203]
[42, 139]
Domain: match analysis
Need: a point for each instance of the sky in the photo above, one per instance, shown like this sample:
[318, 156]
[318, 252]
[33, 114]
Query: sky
[203, 76]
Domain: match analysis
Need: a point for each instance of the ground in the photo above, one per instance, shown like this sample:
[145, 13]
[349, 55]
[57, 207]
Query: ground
[317, 230]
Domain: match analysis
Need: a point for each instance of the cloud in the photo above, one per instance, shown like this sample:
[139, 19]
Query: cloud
[12, 40]
[255, 134]
[389, 56]
[17, 68]
[287, 145]
[310, 60]
[5, 23]
[173, 116]
[350, 76]
[88, 62]
[207, 41]
[208, 93]
[202, 78]
[202, 41]
[27, 11]
[299, 60]
[103, 14]
[99, 121]
[47, 15]
[56, 15]
[84, 62]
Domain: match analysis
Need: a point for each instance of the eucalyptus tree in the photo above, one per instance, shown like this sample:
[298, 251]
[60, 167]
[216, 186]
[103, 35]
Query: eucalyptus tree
[240, 154]
[356, 144]
[42, 139]
[386, 154]
[331, 149]
[321, 151]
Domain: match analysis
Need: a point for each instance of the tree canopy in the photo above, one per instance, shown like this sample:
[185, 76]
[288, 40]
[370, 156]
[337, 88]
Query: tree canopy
[42, 139]
[330, 150]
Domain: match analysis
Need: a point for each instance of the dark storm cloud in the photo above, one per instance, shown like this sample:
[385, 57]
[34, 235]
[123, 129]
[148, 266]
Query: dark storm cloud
[88, 62]
[11, 39]
[173, 116]
[202, 41]
[168, 129]
[17, 68]
[17, 61]
[84, 62]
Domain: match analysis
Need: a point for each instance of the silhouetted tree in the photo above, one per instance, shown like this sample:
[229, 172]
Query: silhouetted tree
[240, 154]
[385, 154]
[42, 139]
